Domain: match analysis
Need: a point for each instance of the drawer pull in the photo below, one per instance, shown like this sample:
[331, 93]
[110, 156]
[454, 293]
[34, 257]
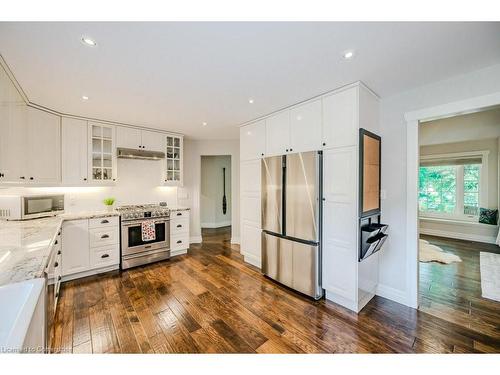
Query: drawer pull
[59, 277]
[59, 252]
[55, 242]
[179, 241]
[105, 256]
[105, 236]
[104, 221]
[56, 264]
[179, 213]
[179, 225]
[59, 233]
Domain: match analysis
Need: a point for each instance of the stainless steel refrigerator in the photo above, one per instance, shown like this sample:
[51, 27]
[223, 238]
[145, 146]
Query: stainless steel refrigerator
[291, 220]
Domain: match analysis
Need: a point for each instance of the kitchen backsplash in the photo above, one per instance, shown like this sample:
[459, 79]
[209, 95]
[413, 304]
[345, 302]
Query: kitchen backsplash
[139, 181]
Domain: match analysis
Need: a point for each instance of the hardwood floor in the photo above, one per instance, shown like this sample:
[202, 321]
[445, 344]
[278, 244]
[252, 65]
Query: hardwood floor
[209, 301]
[453, 291]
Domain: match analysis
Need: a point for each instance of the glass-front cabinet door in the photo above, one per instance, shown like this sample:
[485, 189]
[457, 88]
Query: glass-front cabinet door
[102, 152]
[174, 160]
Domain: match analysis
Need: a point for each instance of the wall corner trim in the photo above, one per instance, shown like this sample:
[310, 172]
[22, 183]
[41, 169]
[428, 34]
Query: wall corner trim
[396, 295]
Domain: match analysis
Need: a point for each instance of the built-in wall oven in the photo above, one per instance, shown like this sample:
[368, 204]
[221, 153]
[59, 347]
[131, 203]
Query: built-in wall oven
[134, 250]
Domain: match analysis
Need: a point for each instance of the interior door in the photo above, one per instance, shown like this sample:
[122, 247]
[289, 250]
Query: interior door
[302, 195]
[271, 198]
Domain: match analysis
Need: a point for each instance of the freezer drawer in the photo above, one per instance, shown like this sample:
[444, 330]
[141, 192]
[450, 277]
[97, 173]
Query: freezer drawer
[292, 263]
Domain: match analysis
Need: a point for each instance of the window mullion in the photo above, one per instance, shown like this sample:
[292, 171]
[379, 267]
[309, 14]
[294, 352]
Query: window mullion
[459, 190]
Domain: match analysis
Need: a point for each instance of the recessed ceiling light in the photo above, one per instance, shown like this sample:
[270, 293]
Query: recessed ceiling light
[85, 97]
[348, 55]
[250, 101]
[203, 123]
[88, 41]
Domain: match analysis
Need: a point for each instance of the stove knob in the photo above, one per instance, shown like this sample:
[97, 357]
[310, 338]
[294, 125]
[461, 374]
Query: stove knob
[136, 215]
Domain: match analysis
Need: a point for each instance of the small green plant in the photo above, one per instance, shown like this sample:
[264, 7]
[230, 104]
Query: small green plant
[109, 201]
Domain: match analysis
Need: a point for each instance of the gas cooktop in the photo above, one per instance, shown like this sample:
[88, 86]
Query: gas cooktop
[143, 211]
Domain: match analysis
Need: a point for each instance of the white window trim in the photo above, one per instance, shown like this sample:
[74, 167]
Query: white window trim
[483, 185]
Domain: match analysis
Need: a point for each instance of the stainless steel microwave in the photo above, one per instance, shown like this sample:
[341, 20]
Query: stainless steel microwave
[15, 207]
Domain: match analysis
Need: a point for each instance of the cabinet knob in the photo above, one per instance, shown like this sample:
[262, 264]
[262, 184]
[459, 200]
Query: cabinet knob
[179, 226]
[105, 256]
[55, 242]
[31, 178]
[324, 144]
[57, 294]
[324, 199]
[114, 179]
[179, 241]
[59, 252]
[2, 175]
[291, 149]
[286, 150]
[56, 264]
[85, 179]
[22, 177]
[262, 154]
[59, 278]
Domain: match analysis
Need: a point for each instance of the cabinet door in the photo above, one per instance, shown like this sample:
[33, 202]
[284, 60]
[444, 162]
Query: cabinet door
[174, 161]
[153, 141]
[128, 137]
[74, 151]
[75, 247]
[44, 147]
[253, 140]
[305, 127]
[102, 153]
[278, 134]
[340, 118]
[13, 142]
[340, 223]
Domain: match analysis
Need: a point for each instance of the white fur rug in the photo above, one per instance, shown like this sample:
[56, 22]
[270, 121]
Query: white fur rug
[490, 275]
[432, 253]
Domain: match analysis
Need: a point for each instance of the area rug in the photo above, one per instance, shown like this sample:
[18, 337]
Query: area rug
[432, 253]
[490, 275]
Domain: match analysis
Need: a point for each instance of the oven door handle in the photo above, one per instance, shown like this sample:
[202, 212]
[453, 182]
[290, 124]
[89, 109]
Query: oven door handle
[135, 223]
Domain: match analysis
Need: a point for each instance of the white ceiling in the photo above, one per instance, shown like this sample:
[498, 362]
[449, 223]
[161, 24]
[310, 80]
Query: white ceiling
[175, 76]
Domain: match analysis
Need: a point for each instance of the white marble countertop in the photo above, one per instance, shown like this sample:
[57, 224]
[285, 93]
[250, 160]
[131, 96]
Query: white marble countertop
[25, 248]
[88, 215]
[178, 208]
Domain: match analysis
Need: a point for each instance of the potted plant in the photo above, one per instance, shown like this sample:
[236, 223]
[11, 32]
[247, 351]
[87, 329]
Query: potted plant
[108, 202]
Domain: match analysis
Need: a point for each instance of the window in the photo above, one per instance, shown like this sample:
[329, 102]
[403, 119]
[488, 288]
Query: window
[450, 188]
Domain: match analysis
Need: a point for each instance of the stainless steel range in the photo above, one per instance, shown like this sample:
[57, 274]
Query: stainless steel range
[135, 251]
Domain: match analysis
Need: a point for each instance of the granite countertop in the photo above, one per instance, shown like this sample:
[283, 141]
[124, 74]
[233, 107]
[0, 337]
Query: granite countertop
[25, 248]
[178, 208]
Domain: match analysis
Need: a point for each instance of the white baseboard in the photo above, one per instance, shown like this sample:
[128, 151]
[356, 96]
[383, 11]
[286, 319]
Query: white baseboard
[216, 225]
[178, 252]
[458, 236]
[341, 300]
[252, 259]
[79, 275]
[393, 294]
[235, 240]
[195, 239]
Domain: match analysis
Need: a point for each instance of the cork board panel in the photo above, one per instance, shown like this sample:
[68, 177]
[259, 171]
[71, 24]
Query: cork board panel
[371, 173]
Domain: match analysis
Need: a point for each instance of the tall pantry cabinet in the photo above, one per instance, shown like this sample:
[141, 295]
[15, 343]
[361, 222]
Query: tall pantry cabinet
[329, 123]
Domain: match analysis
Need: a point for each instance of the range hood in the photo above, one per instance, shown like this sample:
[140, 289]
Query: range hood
[131, 153]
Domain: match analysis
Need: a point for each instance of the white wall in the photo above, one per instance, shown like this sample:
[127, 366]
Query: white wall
[393, 259]
[139, 181]
[189, 195]
[212, 191]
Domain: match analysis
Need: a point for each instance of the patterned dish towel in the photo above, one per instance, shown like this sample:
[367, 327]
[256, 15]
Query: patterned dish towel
[148, 230]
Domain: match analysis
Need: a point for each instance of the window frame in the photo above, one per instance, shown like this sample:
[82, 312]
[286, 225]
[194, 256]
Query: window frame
[459, 214]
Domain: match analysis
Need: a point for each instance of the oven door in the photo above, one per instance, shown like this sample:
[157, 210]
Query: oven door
[132, 242]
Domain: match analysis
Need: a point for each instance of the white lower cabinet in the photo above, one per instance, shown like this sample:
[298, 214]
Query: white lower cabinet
[89, 248]
[179, 232]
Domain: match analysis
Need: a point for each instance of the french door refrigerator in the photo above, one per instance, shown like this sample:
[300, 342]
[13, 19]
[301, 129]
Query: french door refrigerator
[291, 220]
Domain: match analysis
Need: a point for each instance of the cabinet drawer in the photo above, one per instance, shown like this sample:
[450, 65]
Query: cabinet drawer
[178, 226]
[179, 242]
[104, 256]
[103, 236]
[104, 222]
[179, 214]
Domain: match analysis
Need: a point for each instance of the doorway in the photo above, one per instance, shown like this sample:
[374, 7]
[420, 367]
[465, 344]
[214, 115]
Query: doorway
[216, 198]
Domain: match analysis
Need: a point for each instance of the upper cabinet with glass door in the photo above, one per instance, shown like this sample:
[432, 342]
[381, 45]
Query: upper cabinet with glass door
[174, 160]
[102, 153]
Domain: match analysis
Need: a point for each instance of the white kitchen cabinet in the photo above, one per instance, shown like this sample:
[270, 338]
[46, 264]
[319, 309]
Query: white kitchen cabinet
[250, 211]
[74, 143]
[340, 118]
[174, 159]
[179, 232]
[153, 141]
[253, 140]
[305, 127]
[134, 138]
[278, 134]
[128, 137]
[102, 153]
[43, 163]
[13, 122]
[75, 247]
